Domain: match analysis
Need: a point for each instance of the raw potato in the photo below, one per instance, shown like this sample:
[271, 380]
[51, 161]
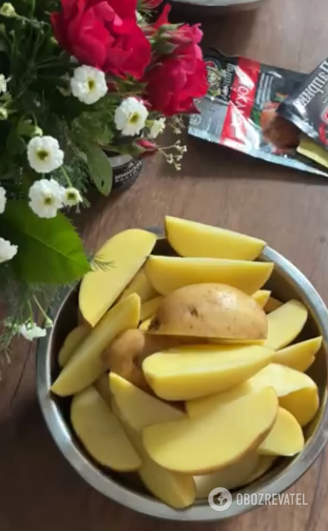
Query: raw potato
[86, 364]
[261, 297]
[127, 251]
[125, 355]
[190, 372]
[149, 308]
[102, 386]
[231, 477]
[285, 323]
[101, 432]
[299, 356]
[145, 325]
[216, 440]
[264, 464]
[272, 304]
[200, 406]
[170, 273]
[189, 238]
[286, 437]
[141, 286]
[71, 342]
[137, 408]
[296, 391]
[211, 311]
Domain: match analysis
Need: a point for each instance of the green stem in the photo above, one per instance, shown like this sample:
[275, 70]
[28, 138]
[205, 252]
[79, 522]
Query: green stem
[66, 176]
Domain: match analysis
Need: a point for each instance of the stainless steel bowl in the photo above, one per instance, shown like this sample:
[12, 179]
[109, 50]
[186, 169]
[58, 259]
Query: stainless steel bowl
[286, 282]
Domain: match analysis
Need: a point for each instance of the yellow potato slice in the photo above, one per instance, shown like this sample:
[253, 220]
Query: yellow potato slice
[285, 323]
[191, 239]
[145, 325]
[286, 437]
[86, 365]
[261, 297]
[170, 273]
[296, 391]
[102, 386]
[190, 372]
[216, 440]
[200, 406]
[101, 432]
[211, 311]
[299, 356]
[137, 408]
[149, 308]
[264, 464]
[230, 478]
[140, 285]
[125, 252]
[272, 304]
[74, 338]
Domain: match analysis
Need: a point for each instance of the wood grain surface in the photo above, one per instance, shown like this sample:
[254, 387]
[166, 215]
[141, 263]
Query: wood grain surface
[38, 489]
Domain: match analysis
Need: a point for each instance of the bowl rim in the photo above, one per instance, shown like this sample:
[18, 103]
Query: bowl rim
[146, 504]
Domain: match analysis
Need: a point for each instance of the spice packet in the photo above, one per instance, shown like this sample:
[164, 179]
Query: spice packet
[307, 106]
[240, 111]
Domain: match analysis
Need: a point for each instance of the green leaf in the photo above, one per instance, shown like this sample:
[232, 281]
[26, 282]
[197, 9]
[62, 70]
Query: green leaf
[101, 172]
[49, 250]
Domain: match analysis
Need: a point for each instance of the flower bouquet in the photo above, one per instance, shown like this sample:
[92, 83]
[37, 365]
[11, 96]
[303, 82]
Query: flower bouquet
[78, 79]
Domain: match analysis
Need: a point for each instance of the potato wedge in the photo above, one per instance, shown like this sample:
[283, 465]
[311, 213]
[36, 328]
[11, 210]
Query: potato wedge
[230, 478]
[209, 443]
[145, 325]
[200, 406]
[192, 239]
[86, 364]
[101, 432]
[126, 252]
[286, 437]
[261, 297]
[137, 408]
[102, 386]
[190, 372]
[140, 285]
[210, 311]
[299, 356]
[149, 308]
[285, 323]
[170, 273]
[264, 464]
[74, 338]
[272, 304]
[296, 391]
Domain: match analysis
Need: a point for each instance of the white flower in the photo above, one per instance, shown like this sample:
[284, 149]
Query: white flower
[7, 10]
[88, 84]
[44, 154]
[3, 113]
[3, 84]
[46, 197]
[3, 200]
[32, 331]
[130, 117]
[72, 196]
[7, 250]
[157, 128]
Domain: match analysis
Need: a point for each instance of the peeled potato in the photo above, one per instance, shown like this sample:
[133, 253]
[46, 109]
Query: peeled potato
[216, 440]
[272, 304]
[125, 253]
[149, 308]
[190, 372]
[200, 406]
[285, 323]
[86, 365]
[299, 356]
[264, 464]
[145, 325]
[230, 478]
[189, 238]
[74, 338]
[261, 297]
[211, 311]
[168, 273]
[101, 432]
[102, 386]
[140, 285]
[286, 437]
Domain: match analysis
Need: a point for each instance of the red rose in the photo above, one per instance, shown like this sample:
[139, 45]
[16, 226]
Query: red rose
[177, 79]
[103, 34]
[147, 148]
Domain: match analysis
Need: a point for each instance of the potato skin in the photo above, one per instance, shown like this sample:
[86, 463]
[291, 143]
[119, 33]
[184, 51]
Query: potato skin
[210, 311]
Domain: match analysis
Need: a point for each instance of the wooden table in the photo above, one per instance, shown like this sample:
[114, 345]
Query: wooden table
[38, 489]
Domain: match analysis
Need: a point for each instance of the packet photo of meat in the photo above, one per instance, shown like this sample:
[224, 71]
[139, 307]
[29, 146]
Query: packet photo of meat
[240, 111]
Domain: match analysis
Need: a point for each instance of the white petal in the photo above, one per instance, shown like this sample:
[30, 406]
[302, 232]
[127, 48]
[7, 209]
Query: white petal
[31, 331]
[130, 117]
[44, 154]
[7, 250]
[88, 84]
[3, 200]
[46, 198]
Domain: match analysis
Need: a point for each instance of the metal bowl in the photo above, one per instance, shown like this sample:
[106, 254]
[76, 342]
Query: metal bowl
[286, 282]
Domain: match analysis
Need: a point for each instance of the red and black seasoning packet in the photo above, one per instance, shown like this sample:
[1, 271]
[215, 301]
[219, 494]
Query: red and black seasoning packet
[240, 111]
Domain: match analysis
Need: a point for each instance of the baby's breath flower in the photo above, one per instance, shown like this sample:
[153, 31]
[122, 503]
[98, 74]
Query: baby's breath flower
[130, 117]
[71, 196]
[46, 198]
[3, 200]
[7, 250]
[44, 154]
[31, 330]
[7, 10]
[88, 84]
[157, 128]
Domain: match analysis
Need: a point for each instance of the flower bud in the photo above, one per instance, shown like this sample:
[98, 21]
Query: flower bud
[7, 10]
